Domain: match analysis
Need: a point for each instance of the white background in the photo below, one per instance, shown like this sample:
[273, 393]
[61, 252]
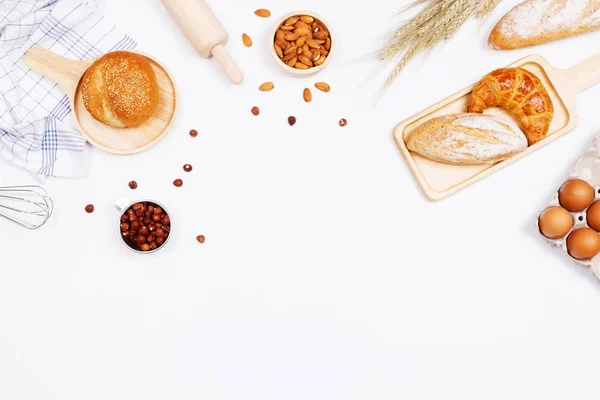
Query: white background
[325, 273]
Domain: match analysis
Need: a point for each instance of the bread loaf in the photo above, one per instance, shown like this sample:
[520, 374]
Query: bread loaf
[120, 89]
[467, 139]
[539, 21]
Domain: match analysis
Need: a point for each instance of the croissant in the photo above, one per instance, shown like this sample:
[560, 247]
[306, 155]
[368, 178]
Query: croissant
[520, 92]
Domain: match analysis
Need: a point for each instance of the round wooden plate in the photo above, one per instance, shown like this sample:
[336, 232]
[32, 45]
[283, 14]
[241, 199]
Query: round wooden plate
[68, 73]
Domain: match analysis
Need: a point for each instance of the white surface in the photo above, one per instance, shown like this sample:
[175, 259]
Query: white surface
[325, 273]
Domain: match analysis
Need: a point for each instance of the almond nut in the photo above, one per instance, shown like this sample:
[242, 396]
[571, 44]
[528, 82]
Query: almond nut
[291, 21]
[305, 60]
[292, 62]
[291, 37]
[246, 39]
[267, 86]
[290, 50]
[288, 57]
[279, 35]
[320, 61]
[278, 50]
[286, 28]
[301, 40]
[299, 65]
[320, 35]
[328, 44]
[262, 12]
[301, 24]
[281, 43]
[322, 86]
[307, 19]
[302, 31]
[307, 95]
[316, 54]
[312, 43]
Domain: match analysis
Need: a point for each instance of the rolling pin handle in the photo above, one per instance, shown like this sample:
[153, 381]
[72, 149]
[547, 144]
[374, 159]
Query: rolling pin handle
[227, 64]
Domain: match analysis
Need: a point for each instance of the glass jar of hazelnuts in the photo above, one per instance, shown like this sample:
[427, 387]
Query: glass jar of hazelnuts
[144, 226]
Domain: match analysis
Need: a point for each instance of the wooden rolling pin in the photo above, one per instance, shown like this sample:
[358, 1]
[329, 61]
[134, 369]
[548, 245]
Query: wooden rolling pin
[204, 31]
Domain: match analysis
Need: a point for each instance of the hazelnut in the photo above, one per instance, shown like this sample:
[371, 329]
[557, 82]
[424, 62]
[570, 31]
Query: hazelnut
[124, 226]
[89, 208]
[145, 247]
[133, 185]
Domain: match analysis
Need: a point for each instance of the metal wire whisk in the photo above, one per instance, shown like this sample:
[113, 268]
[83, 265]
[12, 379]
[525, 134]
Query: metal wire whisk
[27, 206]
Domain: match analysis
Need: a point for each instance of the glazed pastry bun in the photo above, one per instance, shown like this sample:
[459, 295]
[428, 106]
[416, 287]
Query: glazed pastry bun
[120, 89]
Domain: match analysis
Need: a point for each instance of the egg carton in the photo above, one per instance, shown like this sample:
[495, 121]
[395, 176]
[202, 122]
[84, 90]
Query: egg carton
[586, 168]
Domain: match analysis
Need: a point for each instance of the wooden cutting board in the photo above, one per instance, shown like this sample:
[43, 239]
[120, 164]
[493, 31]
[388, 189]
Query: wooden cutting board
[438, 180]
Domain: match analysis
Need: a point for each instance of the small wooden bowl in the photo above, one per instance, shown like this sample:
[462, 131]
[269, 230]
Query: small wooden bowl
[301, 72]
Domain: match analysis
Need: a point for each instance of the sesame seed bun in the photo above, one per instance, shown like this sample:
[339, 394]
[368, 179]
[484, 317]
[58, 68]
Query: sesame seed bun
[120, 89]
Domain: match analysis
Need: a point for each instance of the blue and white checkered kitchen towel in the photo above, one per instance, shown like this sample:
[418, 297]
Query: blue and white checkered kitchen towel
[37, 131]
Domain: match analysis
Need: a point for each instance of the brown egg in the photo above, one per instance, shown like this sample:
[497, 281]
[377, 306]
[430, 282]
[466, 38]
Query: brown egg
[555, 222]
[576, 195]
[583, 243]
[593, 216]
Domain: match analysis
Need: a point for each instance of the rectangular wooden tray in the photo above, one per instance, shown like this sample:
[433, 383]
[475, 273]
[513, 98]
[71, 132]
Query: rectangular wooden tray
[439, 180]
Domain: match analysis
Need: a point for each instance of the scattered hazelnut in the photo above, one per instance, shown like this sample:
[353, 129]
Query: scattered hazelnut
[193, 133]
[255, 110]
[343, 122]
[200, 238]
[178, 182]
[187, 168]
[133, 185]
[89, 208]
[292, 120]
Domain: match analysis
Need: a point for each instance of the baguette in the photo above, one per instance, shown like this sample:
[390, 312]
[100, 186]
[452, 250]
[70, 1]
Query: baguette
[535, 22]
[467, 139]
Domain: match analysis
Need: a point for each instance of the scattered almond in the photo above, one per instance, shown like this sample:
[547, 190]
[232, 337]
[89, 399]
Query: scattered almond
[262, 12]
[246, 39]
[307, 95]
[302, 42]
[267, 86]
[322, 86]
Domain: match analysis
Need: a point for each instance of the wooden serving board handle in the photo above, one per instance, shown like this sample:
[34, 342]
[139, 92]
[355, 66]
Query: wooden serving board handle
[65, 72]
[582, 76]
